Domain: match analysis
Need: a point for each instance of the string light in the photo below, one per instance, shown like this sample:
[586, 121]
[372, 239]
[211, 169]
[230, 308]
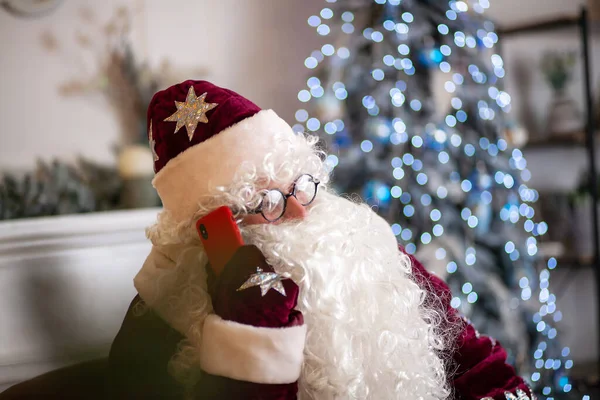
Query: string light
[331, 161]
[328, 49]
[313, 124]
[301, 115]
[366, 146]
[343, 53]
[323, 30]
[314, 21]
[326, 13]
[311, 62]
[304, 95]
[378, 74]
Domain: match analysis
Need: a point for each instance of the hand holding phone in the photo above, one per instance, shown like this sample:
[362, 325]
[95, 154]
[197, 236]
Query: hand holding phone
[220, 236]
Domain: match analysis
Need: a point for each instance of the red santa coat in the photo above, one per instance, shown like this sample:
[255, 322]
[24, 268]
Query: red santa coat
[137, 367]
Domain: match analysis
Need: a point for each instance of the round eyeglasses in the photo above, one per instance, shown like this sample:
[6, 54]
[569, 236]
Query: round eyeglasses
[274, 202]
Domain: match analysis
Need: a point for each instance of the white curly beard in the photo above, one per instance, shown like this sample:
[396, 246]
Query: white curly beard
[369, 334]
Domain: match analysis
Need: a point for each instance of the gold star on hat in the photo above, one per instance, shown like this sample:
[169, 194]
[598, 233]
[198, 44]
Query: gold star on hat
[191, 112]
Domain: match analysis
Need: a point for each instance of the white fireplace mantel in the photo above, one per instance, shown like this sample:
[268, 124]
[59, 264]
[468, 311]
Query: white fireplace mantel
[65, 284]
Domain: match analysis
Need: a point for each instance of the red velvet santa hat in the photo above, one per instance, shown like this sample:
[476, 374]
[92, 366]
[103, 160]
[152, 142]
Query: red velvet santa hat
[199, 134]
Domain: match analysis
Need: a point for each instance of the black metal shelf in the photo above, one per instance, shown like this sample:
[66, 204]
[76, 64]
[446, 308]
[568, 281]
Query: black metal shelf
[565, 256]
[568, 140]
[542, 26]
[572, 261]
[585, 28]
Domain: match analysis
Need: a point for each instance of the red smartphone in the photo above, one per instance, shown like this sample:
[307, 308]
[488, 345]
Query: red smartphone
[220, 236]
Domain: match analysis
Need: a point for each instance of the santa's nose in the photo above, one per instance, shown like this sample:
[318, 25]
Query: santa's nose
[294, 210]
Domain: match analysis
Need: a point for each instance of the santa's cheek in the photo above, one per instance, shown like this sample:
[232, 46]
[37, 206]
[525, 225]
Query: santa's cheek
[254, 220]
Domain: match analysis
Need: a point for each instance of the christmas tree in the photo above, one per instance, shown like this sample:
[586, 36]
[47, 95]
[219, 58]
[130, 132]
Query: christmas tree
[407, 97]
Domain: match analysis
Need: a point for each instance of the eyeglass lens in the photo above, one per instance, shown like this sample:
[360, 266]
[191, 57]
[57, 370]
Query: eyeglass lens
[273, 205]
[305, 189]
[274, 202]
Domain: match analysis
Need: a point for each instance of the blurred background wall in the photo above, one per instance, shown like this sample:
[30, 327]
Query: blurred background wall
[256, 47]
[557, 169]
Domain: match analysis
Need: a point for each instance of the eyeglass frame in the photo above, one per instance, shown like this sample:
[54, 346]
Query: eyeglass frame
[258, 210]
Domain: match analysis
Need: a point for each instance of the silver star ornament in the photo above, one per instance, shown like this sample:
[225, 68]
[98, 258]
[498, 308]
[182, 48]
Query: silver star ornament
[266, 281]
[191, 112]
[521, 395]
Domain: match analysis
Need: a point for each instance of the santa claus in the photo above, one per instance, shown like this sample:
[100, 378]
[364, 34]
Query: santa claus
[335, 309]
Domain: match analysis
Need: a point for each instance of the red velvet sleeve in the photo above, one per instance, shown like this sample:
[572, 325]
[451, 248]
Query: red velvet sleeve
[249, 307]
[479, 369]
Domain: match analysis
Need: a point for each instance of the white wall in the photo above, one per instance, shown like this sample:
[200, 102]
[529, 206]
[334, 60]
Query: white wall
[255, 47]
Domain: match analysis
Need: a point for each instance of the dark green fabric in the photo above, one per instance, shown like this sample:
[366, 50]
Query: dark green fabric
[135, 369]
[81, 381]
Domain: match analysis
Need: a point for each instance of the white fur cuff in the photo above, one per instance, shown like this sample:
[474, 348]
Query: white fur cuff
[248, 353]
